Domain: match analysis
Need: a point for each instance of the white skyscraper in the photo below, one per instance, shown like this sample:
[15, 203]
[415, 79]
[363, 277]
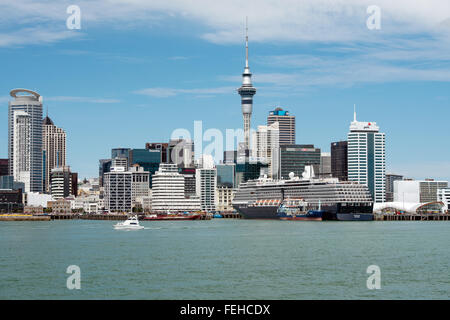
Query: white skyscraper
[25, 138]
[366, 157]
[206, 183]
[265, 142]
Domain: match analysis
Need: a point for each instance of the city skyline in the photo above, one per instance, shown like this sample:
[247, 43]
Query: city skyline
[107, 92]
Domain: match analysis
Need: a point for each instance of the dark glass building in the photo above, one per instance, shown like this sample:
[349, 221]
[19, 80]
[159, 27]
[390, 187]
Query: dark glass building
[121, 153]
[226, 175]
[4, 171]
[189, 181]
[147, 159]
[294, 158]
[339, 164]
[249, 171]
[162, 147]
[104, 167]
[390, 178]
[11, 201]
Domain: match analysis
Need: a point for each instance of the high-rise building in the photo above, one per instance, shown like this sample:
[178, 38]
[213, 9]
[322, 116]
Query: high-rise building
[118, 190]
[162, 147]
[181, 153]
[148, 159]
[120, 162]
[25, 139]
[4, 167]
[206, 185]
[339, 167]
[325, 165]
[294, 158]
[286, 125]
[266, 140]
[247, 91]
[366, 157]
[53, 149]
[390, 178]
[60, 182]
[74, 183]
[168, 191]
[139, 183]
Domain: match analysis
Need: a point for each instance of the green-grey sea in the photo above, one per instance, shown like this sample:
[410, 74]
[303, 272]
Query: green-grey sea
[225, 259]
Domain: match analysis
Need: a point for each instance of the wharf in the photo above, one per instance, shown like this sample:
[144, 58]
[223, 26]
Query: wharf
[411, 217]
[23, 217]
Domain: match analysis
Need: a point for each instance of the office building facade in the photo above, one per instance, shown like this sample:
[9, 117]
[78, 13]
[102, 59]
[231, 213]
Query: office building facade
[266, 140]
[60, 182]
[159, 146]
[286, 125]
[53, 149]
[206, 184]
[339, 161]
[25, 139]
[294, 158]
[4, 167]
[148, 159]
[118, 189]
[390, 178]
[366, 157]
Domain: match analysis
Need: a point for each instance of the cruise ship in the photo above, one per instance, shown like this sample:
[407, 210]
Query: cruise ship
[339, 200]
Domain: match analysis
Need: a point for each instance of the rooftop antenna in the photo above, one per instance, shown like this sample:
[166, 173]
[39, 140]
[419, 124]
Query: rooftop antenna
[354, 112]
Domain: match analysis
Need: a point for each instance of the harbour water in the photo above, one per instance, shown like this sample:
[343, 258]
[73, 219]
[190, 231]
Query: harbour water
[225, 259]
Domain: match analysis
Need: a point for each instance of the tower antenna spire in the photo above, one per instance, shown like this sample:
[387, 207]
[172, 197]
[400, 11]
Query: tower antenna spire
[354, 112]
[246, 41]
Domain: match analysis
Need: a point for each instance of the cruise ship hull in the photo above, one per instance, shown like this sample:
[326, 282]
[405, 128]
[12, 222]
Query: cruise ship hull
[329, 213]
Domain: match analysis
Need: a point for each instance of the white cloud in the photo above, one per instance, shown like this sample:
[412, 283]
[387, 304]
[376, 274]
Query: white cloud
[270, 20]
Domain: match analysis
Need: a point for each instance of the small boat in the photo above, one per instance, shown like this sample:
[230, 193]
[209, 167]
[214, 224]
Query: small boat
[131, 223]
[297, 209]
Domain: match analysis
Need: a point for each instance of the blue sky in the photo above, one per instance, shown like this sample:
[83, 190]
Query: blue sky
[137, 70]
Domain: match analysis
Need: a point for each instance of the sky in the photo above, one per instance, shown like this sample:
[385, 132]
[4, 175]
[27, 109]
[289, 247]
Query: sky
[137, 70]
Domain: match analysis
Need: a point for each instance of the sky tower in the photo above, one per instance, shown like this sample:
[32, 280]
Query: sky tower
[246, 91]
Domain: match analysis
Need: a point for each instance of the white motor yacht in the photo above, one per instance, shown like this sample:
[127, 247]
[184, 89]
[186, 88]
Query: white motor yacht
[131, 223]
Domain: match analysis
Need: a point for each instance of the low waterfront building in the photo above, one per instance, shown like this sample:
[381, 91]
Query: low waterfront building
[224, 199]
[35, 199]
[395, 207]
[10, 201]
[60, 206]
